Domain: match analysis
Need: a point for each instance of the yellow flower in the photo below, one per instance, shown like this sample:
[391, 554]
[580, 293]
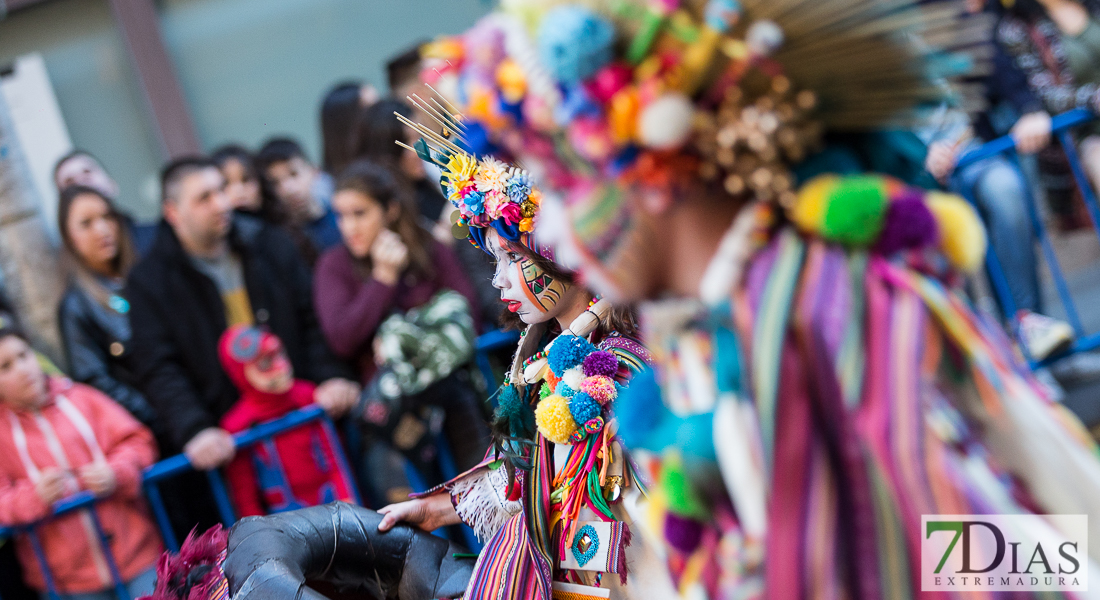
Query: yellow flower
[460, 169]
[527, 225]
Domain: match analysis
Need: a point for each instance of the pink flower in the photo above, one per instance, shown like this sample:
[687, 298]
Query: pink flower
[511, 213]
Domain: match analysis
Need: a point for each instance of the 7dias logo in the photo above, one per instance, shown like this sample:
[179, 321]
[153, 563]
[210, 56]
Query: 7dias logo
[971, 553]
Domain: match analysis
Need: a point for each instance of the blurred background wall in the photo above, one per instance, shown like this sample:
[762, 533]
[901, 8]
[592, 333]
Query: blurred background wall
[248, 69]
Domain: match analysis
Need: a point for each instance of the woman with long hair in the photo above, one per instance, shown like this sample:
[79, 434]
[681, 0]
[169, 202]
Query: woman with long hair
[245, 188]
[93, 314]
[396, 303]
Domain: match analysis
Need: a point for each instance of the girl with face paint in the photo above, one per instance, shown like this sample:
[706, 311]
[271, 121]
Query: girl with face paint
[537, 450]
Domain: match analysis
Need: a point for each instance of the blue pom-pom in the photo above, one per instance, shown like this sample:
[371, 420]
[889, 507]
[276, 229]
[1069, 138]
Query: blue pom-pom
[645, 422]
[565, 391]
[575, 42]
[568, 352]
[583, 408]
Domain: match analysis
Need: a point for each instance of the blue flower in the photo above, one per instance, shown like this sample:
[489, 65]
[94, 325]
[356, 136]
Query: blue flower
[475, 203]
[519, 188]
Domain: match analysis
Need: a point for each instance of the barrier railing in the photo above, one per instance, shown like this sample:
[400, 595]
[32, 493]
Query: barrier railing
[166, 469]
[177, 465]
[1062, 126]
[488, 343]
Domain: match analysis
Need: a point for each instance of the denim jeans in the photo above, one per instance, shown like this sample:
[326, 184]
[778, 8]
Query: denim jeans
[1000, 191]
[139, 586]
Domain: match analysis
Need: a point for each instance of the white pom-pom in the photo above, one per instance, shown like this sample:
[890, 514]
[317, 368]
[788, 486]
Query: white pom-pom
[573, 377]
[764, 38]
[665, 123]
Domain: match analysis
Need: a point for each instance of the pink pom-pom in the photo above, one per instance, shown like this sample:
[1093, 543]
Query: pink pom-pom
[608, 81]
[601, 388]
[601, 362]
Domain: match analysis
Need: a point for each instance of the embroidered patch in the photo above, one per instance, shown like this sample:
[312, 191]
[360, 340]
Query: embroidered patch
[585, 545]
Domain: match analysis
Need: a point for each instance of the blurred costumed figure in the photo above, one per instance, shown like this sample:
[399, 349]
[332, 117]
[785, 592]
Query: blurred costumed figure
[821, 381]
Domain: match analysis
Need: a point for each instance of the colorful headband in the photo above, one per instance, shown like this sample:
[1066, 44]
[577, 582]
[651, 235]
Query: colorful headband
[488, 193]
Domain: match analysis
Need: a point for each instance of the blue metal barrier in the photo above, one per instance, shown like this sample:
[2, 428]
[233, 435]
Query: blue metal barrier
[1061, 127]
[488, 343]
[77, 502]
[167, 469]
[177, 465]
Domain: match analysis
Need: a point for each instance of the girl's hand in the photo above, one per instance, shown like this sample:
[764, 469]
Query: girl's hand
[428, 514]
[99, 479]
[51, 487]
[389, 257]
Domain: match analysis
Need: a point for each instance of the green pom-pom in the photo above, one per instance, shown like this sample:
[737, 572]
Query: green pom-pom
[545, 391]
[513, 415]
[683, 499]
[856, 211]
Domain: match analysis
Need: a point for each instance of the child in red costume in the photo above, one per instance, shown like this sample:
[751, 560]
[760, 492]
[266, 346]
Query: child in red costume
[299, 468]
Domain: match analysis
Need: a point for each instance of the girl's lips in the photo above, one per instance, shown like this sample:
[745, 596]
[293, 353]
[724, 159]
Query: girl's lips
[514, 306]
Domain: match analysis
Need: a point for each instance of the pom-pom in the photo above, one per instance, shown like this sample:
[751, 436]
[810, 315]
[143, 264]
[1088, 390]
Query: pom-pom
[601, 362]
[856, 210]
[609, 81]
[565, 391]
[808, 212]
[909, 224]
[575, 42]
[591, 138]
[568, 352]
[583, 408]
[764, 38]
[513, 416]
[683, 498]
[682, 533]
[722, 15]
[545, 391]
[600, 388]
[962, 236]
[665, 124]
[554, 420]
[591, 427]
[573, 377]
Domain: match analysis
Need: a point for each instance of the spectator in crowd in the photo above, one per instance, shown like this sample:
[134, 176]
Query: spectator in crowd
[210, 269]
[378, 129]
[387, 265]
[304, 193]
[79, 167]
[243, 185]
[301, 467]
[1000, 190]
[403, 72]
[66, 437]
[340, 112]
[94, 314]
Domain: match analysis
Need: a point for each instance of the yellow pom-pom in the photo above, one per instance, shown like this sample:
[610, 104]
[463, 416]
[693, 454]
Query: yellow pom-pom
[962, 235]
[554, 419]
[808, 212]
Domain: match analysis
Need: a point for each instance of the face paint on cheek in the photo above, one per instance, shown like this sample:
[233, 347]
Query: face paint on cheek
[542, 289]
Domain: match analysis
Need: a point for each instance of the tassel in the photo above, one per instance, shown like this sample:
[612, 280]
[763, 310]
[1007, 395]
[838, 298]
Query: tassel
[623, 544]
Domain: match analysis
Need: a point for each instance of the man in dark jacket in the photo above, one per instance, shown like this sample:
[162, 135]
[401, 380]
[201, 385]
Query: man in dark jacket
[209, 269]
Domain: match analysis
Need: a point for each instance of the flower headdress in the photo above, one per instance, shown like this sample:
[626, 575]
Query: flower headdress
[487, 192]
[602, 99]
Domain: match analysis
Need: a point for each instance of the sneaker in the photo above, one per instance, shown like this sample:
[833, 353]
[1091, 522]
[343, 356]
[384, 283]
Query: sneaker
[1042, 335]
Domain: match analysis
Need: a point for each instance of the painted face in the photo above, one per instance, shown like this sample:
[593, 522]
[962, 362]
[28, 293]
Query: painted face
[617, 255]
[271, 371]
[533, 294]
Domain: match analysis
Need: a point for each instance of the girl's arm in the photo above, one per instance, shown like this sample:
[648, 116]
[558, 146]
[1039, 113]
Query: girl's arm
[128, 445]
[19, 502]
